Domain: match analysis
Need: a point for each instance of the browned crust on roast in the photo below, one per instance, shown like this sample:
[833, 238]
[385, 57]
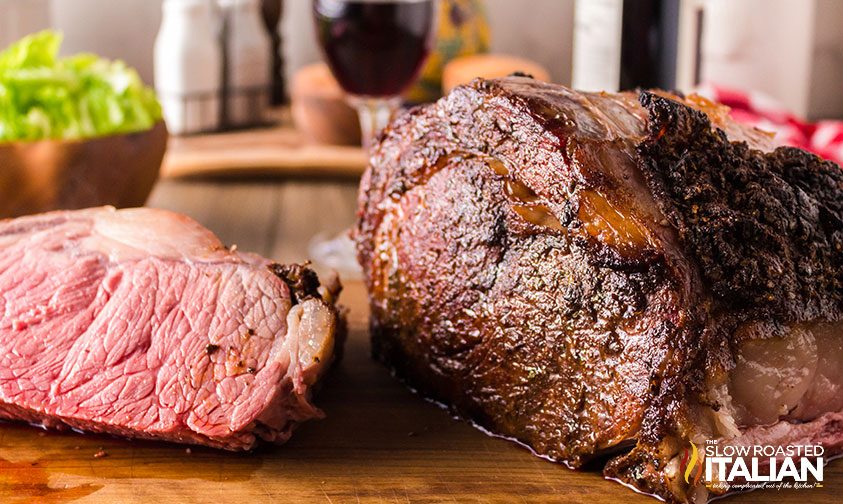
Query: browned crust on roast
[765, 232]
[543, 333]
[514, 325]
[302, 281]
[304, 284]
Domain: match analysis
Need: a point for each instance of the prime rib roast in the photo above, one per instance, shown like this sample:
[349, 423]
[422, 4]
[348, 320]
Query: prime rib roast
[140, 323]
[607, 277]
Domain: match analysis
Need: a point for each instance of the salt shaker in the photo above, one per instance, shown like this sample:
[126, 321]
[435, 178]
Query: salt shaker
[188, 66]
[247, 67]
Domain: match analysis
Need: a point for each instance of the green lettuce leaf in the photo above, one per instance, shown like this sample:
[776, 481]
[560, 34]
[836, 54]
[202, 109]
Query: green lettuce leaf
[82, 96]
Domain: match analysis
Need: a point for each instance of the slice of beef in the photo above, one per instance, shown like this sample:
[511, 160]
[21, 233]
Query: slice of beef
[596, 273]
[141, 323]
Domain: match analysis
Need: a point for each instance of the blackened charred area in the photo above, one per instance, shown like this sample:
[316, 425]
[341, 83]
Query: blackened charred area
[765, 228]
[302, 281]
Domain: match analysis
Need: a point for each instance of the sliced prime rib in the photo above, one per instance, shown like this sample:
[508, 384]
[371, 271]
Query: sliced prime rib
[607, 276]
[140, 323]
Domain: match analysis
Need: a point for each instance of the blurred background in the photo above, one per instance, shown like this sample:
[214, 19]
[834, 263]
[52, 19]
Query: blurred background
[791, 50]
[126, 29]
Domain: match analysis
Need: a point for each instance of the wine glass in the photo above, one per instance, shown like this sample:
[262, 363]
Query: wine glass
[375, 49]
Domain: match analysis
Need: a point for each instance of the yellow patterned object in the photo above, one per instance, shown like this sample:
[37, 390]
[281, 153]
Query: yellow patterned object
[463, 30]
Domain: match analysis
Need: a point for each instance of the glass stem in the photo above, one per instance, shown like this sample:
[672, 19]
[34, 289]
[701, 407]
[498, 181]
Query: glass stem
[374, 114]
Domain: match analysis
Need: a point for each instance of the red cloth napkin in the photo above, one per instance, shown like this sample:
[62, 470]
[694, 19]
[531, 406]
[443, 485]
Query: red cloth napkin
[824, 138]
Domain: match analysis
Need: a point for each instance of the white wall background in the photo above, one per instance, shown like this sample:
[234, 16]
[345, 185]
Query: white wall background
[789, 49]
[826, 82]
[126, 29]
[761, 56]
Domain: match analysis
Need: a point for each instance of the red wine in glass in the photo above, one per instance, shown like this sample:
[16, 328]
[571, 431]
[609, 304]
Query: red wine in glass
[375, 49]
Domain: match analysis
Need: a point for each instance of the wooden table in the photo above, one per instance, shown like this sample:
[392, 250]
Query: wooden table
[379, 443]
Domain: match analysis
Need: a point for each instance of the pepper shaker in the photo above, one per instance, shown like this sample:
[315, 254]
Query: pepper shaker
[247, 64]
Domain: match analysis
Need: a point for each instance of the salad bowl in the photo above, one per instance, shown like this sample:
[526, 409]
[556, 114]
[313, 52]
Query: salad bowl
[44, 175]
[75, 131]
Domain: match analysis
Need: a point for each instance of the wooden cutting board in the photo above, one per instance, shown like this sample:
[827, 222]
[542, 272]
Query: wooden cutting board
[379, 443]
[276, 150]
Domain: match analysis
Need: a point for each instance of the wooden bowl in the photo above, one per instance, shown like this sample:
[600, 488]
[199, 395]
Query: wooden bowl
[319, 108]
[46, 175]
[489, 66]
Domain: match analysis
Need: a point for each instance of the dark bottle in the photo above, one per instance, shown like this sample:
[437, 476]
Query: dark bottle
[272, 10]
[649, 37]
[375, 48]
[625, 44]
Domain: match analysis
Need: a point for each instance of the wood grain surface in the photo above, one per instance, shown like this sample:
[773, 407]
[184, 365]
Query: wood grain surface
[279, 150]
[379, 442]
